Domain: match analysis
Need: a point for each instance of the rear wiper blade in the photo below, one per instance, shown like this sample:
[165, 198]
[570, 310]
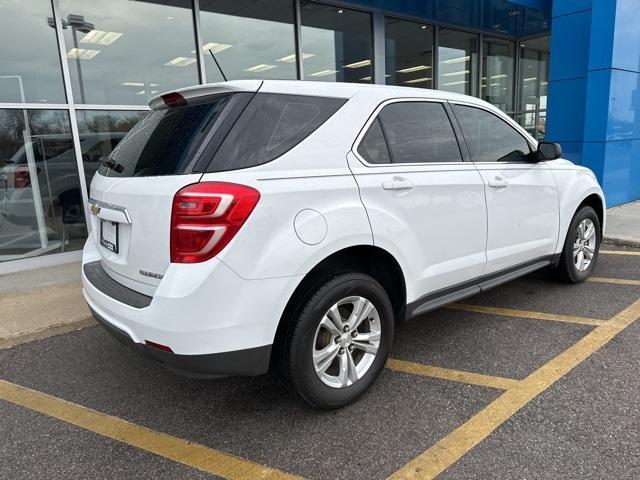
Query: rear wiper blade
[112, 164]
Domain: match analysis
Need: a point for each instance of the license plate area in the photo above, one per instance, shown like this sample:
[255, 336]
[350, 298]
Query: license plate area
[109, 233]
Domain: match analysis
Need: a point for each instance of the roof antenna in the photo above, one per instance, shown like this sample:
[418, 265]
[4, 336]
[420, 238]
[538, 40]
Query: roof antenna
[218, 65]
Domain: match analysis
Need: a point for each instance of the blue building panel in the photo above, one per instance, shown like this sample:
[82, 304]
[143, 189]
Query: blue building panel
[570, 35]
[567, 7]
[565, 121]
[626, 35]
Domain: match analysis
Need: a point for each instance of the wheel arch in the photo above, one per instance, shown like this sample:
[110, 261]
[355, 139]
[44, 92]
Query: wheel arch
[368, 259]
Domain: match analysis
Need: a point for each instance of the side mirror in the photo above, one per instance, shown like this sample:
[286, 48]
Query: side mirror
[549, 151]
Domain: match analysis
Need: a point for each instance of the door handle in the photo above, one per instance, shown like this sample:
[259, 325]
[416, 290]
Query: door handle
[498, 182]
[397, 183]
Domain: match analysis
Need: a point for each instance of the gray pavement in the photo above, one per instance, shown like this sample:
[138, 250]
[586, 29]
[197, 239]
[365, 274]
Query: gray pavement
[623, 224]
[584, 426]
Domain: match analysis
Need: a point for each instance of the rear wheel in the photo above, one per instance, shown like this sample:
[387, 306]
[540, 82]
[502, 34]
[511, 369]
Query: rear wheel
[581, 246]
[339, 339]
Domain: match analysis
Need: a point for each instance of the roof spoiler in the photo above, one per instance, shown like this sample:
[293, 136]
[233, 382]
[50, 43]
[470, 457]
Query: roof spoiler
[181, 97]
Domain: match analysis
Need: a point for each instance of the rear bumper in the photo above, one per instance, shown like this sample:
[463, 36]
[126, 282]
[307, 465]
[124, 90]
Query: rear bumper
[215, 322]
[251, 361]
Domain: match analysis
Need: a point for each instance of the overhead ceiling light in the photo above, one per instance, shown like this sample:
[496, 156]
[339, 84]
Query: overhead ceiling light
[181, 61]
[262, 67]
[366, 79]
[418, 80]
[417, 68]
[361, 63]
[453, 74]
[455, 83]
[323, 73]
[100, 37]
[137, 84]
[340, 11]
[292, 58]
[530, 79]
[423, 27]
[141, 92]
[502, 75]
[457, 60]
[215, 47]
[82, 53]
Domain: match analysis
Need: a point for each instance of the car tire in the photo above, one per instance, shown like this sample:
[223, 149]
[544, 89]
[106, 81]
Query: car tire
[331, 300]
[574, 265]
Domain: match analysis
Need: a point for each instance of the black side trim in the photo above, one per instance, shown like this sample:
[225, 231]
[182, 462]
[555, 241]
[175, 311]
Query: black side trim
[107, 285]
[448, 295]
[250, 361]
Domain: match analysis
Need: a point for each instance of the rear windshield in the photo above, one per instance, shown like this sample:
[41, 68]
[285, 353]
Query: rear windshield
[165, 141]
[271, 125]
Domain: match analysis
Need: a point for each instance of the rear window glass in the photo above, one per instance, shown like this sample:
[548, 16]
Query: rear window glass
[271, 125]
[165, 141]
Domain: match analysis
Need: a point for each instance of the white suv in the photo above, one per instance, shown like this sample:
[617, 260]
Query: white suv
[250, 224]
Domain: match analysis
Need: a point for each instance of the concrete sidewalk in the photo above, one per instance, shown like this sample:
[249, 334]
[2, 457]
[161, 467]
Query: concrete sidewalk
[38, 303]
[623, 225]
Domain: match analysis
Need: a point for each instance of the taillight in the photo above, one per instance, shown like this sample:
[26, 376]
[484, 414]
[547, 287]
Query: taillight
[22, 177]
[206, 216]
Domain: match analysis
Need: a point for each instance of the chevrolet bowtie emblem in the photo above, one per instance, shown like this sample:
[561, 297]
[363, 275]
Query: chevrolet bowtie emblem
[95, 209]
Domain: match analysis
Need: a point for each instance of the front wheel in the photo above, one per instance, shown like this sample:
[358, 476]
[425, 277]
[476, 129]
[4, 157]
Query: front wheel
[340, 339]
[581, 246]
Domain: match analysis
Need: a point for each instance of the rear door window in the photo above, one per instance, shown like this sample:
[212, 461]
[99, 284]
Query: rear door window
[271, 125]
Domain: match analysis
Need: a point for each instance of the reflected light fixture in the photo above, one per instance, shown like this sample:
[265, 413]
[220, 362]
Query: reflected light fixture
[457, 60]
[82, 53]
[417, 68]
[214, 47]
[456, 83]
[530, 79]
[292, 58]
[361, 63]
[323, 73]
[453, 74]
[181, 61]
[100, 37]
[340, 11]
[261, 67]
[418, 80]
[137, 84]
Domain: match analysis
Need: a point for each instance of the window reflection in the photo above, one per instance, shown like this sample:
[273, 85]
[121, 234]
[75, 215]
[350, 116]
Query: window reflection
[534, 74]
[29, 54]
[336, 44]
[122, 52]
[100, 131]
[497, 73]
[457, 62]
[41, 208]
[248, 39]
[409, 53]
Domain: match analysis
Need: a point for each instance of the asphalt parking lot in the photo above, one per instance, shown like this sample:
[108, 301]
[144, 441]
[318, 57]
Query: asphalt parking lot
[534, 379]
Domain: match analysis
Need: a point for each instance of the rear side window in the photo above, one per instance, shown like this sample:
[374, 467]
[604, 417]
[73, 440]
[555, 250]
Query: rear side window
[373, 147]
[165, 141]
[491, 139]
[271, 125]
[415, 132]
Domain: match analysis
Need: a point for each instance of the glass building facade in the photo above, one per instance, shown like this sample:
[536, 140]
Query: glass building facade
[75, 76]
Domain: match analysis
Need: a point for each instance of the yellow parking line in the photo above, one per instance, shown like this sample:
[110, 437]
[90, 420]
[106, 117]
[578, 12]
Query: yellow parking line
[620, 252]
[403, 366]
[191, 454]
[457, 443]
[510, 312]
[617, 281]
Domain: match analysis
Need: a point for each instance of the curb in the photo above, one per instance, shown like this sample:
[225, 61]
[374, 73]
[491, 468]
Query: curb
[46, 332]
[621, 241]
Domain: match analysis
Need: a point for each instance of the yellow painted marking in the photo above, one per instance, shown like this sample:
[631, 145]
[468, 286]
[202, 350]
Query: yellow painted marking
[500, 383]
[617, 281]
[182, 451]
[457, 443]
[510, 312]
[620, 252]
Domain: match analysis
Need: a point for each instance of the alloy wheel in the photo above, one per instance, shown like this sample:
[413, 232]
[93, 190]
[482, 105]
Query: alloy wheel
[346, 342]
[584, 246]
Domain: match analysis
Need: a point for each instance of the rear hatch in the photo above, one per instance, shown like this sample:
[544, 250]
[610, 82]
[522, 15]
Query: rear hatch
[131, 195]
[186, 135]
